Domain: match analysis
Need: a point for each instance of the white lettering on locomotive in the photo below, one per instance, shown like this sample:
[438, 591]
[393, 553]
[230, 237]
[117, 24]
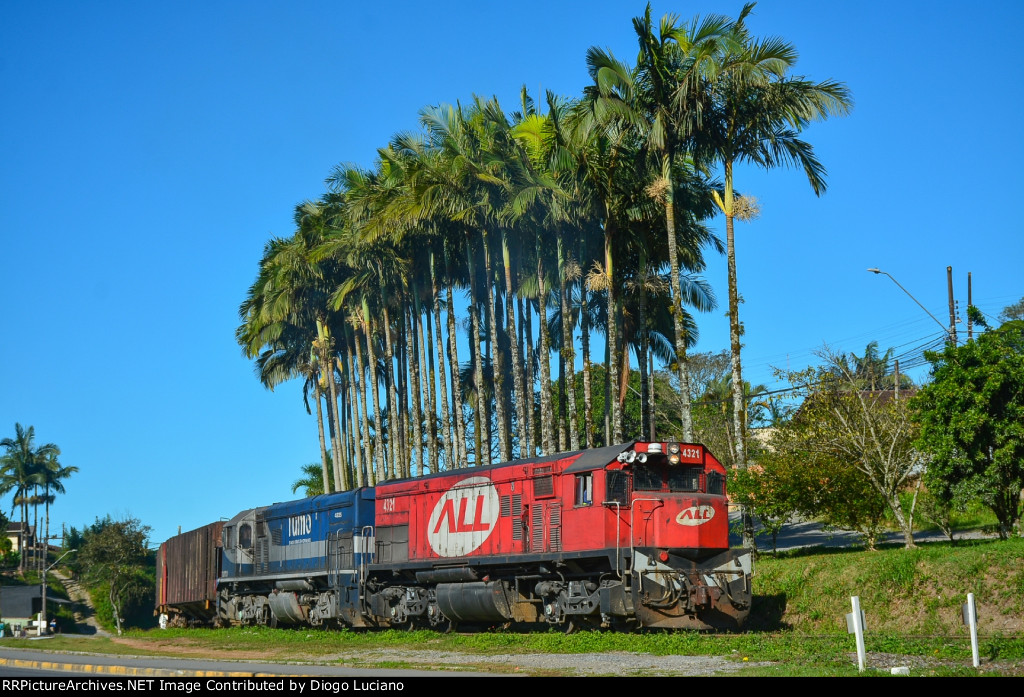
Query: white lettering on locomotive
[388, 506]
[464, 517]
[300, 525]
[695, 515]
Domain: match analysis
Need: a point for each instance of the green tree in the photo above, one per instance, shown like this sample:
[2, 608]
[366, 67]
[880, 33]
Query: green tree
[972, 421]
[116, 556]
[801, 471]
[864, 439]
[1013, 312]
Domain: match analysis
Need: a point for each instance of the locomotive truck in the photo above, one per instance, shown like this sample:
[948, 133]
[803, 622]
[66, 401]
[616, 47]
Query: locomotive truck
[632, 535]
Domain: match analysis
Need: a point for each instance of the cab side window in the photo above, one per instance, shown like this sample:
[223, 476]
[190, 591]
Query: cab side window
[584, 489]
[245, 536]
[618, 488]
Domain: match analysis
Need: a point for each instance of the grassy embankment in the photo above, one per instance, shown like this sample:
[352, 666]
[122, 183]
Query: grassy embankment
[911, 599]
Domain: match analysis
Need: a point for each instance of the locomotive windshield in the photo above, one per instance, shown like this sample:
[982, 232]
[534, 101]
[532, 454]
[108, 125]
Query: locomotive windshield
[659, 476]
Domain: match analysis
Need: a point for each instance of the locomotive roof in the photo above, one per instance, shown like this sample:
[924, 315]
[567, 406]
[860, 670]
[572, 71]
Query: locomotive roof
[592, 459]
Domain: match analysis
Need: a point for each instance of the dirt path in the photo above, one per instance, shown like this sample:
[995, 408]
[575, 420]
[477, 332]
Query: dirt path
[85, 619]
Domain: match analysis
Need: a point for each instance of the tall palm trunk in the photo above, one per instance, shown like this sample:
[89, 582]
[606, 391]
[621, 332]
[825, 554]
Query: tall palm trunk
[526, 325]
[645, 396]
[483, 420]
[519, 381]
[650, 391]
[677, 302]
[325, 351]
[613, 329]
[368, 449]
[734, 345]
[451, 449]
[353, 389]
[588, 390]
[453, 362]
[547, 416]
[568, 348]
[380, 463]
[433, 445]
[396, 431]
[318, 395]
[415, 355]
[497, 361]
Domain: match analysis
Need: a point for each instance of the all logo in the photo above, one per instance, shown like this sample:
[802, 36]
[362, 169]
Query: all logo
[695, 515]
[463, 518]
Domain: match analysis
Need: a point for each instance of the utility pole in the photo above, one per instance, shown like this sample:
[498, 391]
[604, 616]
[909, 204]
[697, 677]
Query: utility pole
[42, 615]
[952, 311]
[897, 376]
[970, 329]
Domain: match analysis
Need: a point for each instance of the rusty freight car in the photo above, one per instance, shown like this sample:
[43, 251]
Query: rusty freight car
[187, 567]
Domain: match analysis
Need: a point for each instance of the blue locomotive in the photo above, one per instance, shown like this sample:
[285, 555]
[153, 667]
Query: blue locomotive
[297, 562]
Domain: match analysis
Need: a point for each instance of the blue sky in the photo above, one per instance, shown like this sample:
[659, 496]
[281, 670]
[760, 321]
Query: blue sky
[149, 150]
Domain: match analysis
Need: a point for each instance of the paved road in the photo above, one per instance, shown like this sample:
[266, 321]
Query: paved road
[149, 667]
[813, 534]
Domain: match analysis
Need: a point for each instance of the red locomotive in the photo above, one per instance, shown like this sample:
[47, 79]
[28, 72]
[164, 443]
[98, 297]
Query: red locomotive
[635, 533]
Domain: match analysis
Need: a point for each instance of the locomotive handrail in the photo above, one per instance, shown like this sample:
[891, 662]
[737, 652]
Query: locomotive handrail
[367, 533]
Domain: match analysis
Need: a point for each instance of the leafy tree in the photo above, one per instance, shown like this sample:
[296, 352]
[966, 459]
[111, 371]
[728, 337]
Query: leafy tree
[114, 554]
[972, 420]
[1013, 312]
[864, 440]
[769, 493]
[802, 472]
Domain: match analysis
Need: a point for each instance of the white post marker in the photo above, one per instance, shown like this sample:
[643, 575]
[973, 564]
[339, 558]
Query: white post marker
[970, 615]
[855, 625]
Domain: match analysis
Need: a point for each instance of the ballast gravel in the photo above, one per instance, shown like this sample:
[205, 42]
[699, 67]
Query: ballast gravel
[617, 664]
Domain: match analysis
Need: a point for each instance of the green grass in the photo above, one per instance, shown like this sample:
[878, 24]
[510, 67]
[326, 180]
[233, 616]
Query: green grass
[911, 600]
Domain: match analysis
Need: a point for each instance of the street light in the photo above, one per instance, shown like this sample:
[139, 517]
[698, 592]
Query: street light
[946, 330]
[42, 615]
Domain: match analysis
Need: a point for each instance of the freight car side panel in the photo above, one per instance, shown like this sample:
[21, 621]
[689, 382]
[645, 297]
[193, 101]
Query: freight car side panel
[187, 569]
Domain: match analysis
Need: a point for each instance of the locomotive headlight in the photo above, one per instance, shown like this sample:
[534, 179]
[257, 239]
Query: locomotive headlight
[674, 449]
[673, 459]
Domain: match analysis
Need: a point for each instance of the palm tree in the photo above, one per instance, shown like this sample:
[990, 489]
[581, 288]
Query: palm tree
[312, 480]
[662, 66]
[737, 104]
[21, 469]
[53, 475]
[740, 106]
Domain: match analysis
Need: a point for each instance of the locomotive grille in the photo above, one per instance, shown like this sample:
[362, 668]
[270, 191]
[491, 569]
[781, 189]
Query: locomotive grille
[275, 536]
[537, 529]
[544, 486]
[556, 528]
[263, 555]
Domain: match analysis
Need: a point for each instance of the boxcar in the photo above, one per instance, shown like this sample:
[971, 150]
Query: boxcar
[187, 568]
